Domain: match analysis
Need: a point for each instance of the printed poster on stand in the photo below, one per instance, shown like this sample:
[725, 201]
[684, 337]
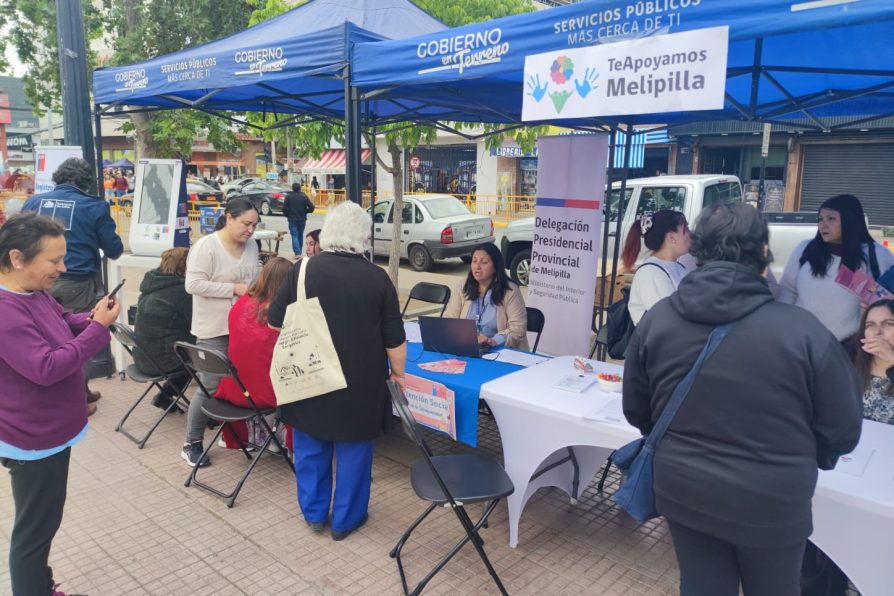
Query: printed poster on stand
[433, 404]
[47, 160]
[567, 239]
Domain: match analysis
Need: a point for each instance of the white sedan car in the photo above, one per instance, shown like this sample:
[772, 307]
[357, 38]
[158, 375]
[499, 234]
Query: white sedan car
[433, 227]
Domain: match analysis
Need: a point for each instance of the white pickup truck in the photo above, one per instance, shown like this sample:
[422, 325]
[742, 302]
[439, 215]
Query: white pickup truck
[687, 194]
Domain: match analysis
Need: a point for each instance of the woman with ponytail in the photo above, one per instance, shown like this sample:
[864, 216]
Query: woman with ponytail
[666, 234]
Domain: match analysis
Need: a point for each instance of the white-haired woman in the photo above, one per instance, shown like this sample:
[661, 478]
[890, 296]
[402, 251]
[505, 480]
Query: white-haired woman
[363, 314]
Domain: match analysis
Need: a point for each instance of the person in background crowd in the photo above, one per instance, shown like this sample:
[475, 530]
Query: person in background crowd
[252, 342]
[363, 315]
[748, 521]
[875, 361]
[219, 269]
[666, 234]
[312, 243]
[131, 181]
[494, 302]
[296, 208]
[89, 228]
[842, 239]
[108, 184]
[43, 351]
[120, 184]
[13, 179]
[164, 316]
[314, 184]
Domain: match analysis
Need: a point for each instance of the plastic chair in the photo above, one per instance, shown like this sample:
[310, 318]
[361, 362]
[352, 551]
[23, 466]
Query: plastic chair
[429, 292]
[127, 338]
[450, 481]
[211, 362]
[536, 323]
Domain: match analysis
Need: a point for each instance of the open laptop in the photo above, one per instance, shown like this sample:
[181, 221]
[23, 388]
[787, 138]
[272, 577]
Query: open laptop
[451, 336]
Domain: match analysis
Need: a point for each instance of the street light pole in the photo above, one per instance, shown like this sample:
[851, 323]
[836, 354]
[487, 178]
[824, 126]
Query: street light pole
[73, 78]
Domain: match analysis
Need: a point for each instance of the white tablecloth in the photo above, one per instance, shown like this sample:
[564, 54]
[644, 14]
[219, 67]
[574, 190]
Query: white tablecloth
[853, 515]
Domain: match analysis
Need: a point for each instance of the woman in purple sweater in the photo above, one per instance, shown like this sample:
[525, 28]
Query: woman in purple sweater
[43, 407]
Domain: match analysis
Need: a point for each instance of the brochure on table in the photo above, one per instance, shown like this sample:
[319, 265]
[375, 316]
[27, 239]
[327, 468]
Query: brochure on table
[160, 220]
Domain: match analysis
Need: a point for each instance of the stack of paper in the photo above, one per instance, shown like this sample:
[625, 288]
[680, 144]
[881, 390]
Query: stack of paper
[612, 412]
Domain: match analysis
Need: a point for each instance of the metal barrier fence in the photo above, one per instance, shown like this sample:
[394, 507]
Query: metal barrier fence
[501, 208]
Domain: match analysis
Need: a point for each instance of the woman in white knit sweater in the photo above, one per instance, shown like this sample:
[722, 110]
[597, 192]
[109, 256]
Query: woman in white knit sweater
[220, 268]
[666, 234]
[842, 239]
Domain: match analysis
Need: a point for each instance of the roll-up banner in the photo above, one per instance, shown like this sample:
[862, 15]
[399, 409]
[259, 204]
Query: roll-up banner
[47, 159]
[567, 239]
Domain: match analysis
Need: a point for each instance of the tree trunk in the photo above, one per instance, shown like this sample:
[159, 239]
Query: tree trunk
[396, 170]
[145, 143]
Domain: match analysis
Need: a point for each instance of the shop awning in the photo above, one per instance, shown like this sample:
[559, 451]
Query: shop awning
[332, 161]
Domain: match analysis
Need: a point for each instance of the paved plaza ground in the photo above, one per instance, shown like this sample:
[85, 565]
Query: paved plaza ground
[131, 527]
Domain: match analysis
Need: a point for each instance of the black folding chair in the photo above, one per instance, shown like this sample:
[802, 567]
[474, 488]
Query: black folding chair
[127, 338]
[211, 362]
[450, 481]
[536, 323]
[429, 292]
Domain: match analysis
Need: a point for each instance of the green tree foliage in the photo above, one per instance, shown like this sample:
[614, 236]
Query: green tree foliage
[455, 13]
[143, 29]
[28, 28]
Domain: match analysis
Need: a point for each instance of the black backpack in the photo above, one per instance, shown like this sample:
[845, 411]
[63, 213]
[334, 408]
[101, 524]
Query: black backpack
[619, 324]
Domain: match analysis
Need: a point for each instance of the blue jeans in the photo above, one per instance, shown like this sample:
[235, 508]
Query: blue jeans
[296, 230]
[313, 473]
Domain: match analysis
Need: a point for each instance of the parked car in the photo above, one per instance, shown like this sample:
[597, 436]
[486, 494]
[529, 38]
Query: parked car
[433, 226]
[199, 191]
[267, 198]
[687, 194]
[236, 185]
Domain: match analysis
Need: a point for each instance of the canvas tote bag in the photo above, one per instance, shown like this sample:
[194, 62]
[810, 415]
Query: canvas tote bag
[305, 363]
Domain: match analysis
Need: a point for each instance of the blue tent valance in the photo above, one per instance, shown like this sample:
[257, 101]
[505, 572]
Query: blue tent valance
[788, 59]
[291, 64]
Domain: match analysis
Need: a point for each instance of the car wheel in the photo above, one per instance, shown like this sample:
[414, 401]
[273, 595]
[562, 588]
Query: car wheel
[466, 259]
[265, 208]
[420, 259]
[520, 269]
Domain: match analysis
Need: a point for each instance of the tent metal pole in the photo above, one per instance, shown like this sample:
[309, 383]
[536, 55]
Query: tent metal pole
[628, 141]
[606, 222]
[97, 123]
[756, 75]
[372, 190]
[352, 141]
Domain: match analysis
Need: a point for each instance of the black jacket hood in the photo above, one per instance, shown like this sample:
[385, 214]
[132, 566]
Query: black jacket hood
[155, 281]
[720, 292]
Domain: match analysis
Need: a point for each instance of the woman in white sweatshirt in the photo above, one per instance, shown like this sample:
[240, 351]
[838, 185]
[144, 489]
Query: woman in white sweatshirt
[666, 234]
[842, 239]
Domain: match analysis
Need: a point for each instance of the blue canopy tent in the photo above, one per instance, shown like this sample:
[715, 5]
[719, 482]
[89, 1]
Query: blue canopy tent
[122, 164]
[293, 65]
[788, 59]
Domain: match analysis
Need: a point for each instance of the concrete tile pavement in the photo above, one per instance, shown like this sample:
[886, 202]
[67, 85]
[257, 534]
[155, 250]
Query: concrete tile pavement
[131, 527]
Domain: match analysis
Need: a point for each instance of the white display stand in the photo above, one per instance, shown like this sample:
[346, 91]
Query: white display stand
[853, 515]
[47, 160]
[160, 220]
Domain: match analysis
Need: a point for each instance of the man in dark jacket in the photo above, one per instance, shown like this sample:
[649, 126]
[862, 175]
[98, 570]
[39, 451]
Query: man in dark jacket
[89, 227]
[296, 207]
[735, 473]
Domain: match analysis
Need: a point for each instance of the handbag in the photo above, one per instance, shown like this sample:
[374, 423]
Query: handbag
[305, 363]
[636, 495]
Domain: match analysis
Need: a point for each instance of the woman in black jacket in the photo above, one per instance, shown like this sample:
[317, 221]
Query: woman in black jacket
[164, 314]
[735, 473]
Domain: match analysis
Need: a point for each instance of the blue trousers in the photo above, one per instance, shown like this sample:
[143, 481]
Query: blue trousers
[296, 231]
[313, 473]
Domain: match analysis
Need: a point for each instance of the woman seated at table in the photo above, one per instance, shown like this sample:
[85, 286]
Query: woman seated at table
[875, 361]
[495, 303]
[251, 344]
[164, 316]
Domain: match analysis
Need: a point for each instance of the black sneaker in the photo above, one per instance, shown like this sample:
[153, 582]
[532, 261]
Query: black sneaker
[191, 452]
